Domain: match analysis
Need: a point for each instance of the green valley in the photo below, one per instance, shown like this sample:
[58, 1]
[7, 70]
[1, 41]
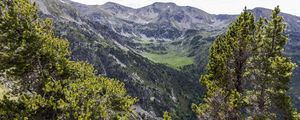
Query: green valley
[171, 59]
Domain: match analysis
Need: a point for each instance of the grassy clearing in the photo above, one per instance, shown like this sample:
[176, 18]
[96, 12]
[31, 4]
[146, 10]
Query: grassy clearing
[171, 59]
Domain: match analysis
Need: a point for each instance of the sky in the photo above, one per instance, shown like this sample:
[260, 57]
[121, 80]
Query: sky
[212, 6]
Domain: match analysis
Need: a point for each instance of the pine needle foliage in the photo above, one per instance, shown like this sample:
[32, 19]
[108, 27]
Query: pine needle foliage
[248, 74]
[45, 83]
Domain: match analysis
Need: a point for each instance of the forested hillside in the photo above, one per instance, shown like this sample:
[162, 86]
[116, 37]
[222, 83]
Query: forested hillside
[65, 60]
[41, 80]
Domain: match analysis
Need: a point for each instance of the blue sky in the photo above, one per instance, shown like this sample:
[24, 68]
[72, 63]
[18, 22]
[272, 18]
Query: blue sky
[212, 6]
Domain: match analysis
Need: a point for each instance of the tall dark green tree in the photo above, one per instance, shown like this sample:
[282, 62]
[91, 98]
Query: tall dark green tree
[248, 74]
[273, 71]
[45, 84]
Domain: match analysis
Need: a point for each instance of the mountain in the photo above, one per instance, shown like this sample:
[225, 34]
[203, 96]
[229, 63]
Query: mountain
[159, 51]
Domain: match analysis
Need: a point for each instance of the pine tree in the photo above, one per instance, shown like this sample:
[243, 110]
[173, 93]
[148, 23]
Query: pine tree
[46, 84]
[276, 71]
[270, 72]
[248, 74]
[227, 64]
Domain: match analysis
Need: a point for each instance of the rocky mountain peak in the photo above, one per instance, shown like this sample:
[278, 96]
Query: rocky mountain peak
[164, 4]
[113, 5]
[159, 7]
[116, 9]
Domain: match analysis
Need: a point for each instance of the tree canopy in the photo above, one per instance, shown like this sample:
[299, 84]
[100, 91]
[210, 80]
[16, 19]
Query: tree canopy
[248, 74]
[44, 82]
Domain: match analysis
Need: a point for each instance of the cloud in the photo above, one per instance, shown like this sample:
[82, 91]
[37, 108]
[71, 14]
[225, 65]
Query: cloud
[212, 6]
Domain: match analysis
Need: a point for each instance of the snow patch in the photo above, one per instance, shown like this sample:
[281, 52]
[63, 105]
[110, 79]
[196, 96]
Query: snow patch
[121, 46]
[173, 96]
[118, 61]
[62, 1]
[126, 34]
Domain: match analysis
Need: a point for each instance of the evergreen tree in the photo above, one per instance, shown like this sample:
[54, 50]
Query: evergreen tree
[248, 74]
[270, 72]
[225, 79]
[275, 72]
[45, 83]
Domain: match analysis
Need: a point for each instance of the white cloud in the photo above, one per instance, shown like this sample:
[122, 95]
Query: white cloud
[212, 6]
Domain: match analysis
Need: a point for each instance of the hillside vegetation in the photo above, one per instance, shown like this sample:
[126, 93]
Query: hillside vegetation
[45, 83]
[64, 60]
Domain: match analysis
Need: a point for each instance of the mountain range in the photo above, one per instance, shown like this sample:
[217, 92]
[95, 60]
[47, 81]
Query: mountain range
[159, 51]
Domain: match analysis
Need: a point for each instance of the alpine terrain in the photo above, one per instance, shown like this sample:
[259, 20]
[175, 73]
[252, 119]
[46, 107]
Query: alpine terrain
[159, 51]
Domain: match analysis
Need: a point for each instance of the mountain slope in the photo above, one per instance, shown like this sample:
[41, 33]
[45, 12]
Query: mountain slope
[158, 87]
[139, 47]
